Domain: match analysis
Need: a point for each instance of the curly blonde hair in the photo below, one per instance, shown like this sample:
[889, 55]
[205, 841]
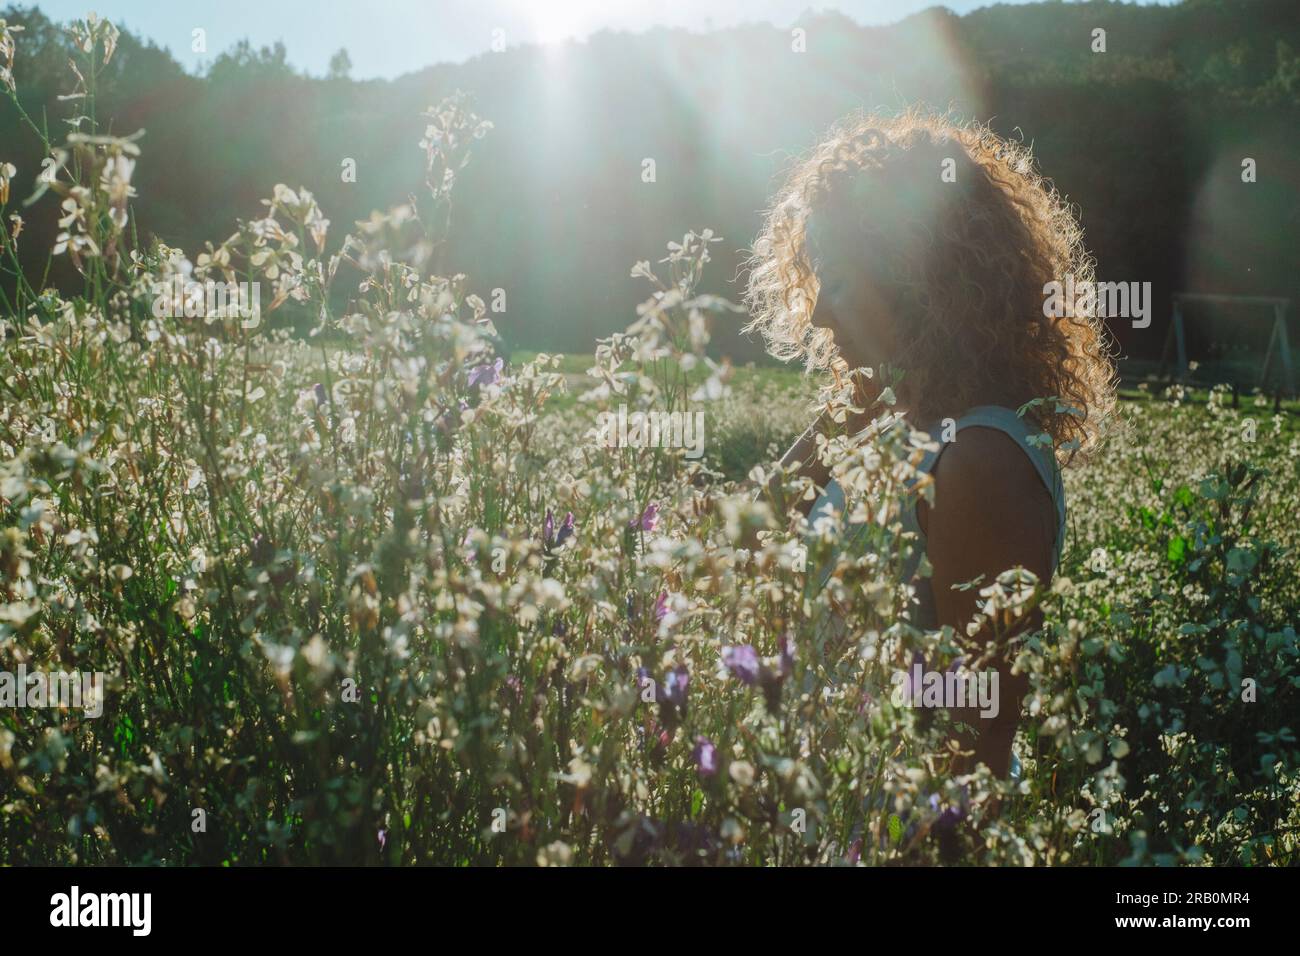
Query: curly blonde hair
[959, 264]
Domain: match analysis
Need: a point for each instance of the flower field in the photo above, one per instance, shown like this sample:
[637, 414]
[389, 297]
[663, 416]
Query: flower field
[377, 594]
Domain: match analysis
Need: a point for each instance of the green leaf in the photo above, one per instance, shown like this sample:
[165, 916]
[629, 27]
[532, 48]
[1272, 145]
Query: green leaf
[1170, 676]
[1241, 561]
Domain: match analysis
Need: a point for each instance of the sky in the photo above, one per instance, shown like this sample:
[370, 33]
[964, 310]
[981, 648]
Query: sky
[386, 38]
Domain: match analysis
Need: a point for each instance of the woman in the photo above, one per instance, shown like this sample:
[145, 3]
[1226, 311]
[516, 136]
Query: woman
[925, 245]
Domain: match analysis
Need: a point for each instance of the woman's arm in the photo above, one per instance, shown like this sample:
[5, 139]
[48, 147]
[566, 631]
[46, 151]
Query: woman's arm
[991, 512]
[803, 453]
[803, 457]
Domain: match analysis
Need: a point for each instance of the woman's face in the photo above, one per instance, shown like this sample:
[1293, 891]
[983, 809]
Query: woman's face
[863, 331]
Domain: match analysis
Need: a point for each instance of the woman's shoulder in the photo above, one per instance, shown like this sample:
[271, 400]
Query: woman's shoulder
[991, 509]
[986, 477]
[984, 455]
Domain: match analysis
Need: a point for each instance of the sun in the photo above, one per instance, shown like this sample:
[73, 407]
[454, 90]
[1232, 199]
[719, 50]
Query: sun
[557, 22]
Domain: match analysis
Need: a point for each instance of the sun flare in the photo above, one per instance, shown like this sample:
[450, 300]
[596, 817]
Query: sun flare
[555, 23]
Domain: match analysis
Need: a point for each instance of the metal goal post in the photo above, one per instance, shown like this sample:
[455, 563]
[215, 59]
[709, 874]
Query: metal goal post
[1279, 349]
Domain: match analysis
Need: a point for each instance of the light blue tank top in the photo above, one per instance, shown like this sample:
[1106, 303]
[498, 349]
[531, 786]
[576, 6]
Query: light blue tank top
[987, 416]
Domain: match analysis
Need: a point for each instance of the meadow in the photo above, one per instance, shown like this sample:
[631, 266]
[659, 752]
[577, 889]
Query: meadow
[376, 594]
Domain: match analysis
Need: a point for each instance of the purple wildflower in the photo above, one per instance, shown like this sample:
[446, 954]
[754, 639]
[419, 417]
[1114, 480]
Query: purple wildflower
[486, 374]
[675, 682]
[672, 702]
[319, 390]
[855, 851]
[706, 757]
[383, 839]
[567, 530]
[946, 831]
[661, 606]
[950, 817]
[742, 660]
[649, 519]
[944, 826]
[553, 539]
